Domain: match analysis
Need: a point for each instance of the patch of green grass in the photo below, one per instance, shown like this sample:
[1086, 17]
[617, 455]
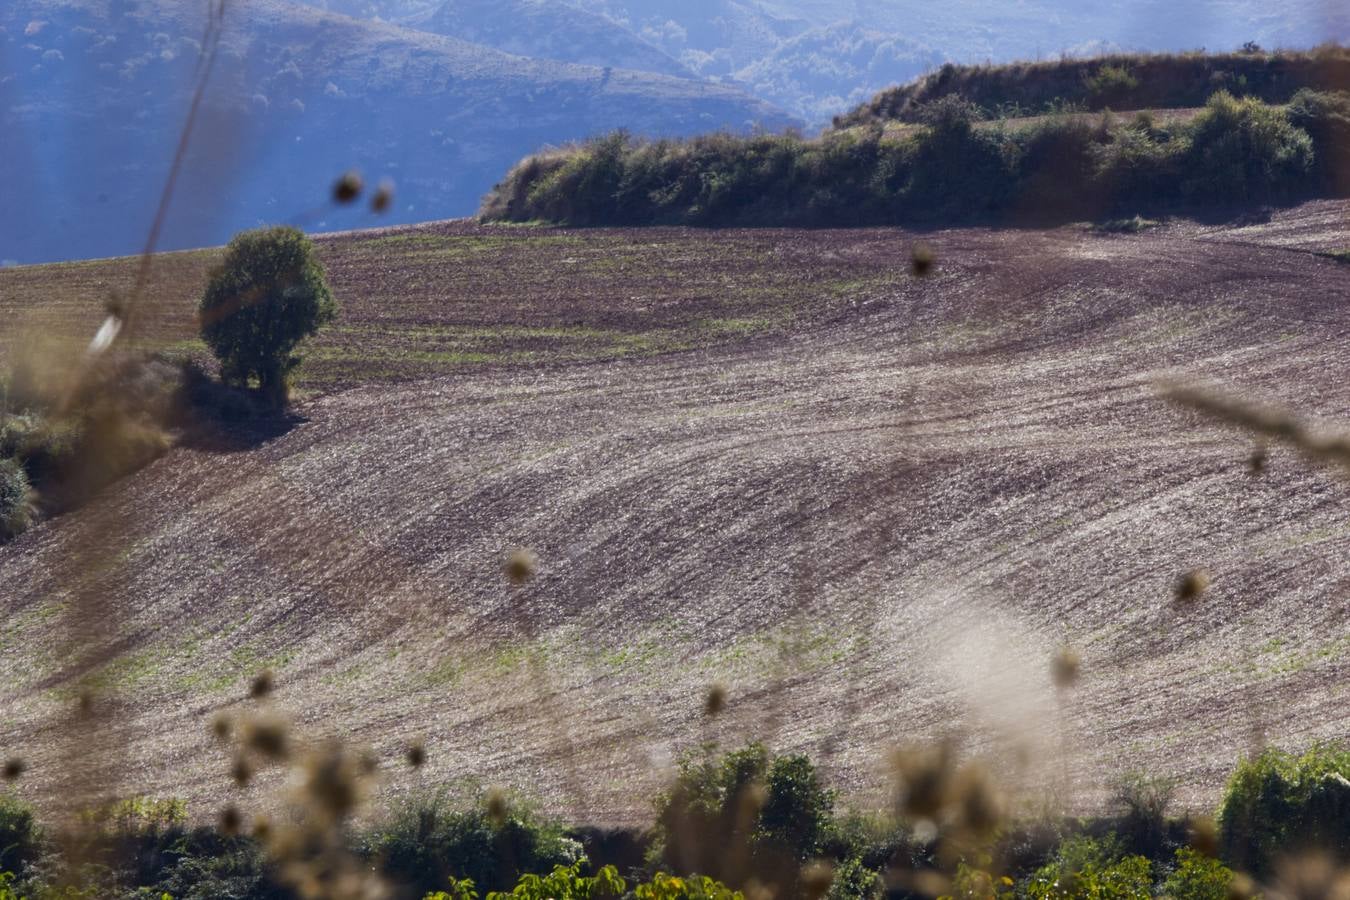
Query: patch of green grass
[241, 664]
[446, 672]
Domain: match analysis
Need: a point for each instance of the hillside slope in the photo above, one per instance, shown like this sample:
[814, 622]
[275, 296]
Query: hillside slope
[874, 506]
[92, 97]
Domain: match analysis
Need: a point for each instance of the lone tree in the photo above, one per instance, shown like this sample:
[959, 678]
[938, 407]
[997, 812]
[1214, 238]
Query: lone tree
[266, 297]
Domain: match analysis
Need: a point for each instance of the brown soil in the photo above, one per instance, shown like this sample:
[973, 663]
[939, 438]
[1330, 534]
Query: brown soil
[873, 506]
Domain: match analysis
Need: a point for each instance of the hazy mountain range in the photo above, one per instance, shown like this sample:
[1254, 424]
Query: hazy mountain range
[443, 95]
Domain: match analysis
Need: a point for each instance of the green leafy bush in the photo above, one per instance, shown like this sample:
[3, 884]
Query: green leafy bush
[1057, 169]
[1110, 85]
[671, 887]
[854, 881]
[743, 815]
[267, 296]
[956, 169]
[429, 840]
[1142, 801]
[567, 883]
[1198, 877]
[1242, 150]
[15, 499]
[1097, 869]
[1325, 116]
[21, 841]
[1279, 803]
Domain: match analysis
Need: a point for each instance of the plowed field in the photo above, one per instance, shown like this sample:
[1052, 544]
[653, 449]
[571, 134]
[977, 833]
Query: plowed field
[872, 505]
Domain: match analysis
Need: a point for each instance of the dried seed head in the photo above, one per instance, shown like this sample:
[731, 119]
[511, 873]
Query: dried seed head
[817, 877]
[384, 197]
[222, 727]
[758, 890]
[1311, 876]
[752, 799]
[981, 805]
[716, 700]
[931, 883]
[1204, 836]
[14, 767]
[1064, 668]
[262, 828]
[267, 737]
[924, 779]
[1256, 463]
[520, 566]
[230, 820]
[262, 685]
[332, 783]
[241, 771]
[416, 754]
[497, 808]
[348, 187]
[1242, 887]
[921, 260]
[1191, 585]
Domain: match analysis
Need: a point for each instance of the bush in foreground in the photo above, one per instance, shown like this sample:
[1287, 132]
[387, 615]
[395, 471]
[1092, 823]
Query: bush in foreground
[429, 840]
[1278, 804]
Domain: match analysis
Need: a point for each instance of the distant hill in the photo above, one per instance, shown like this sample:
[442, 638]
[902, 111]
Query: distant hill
[826, 69]
[92, 96]
[549, 29]
[817, 58]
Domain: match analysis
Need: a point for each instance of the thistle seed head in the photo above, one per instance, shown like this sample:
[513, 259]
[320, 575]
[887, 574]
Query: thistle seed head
[716, 700]
[520, 566]
[348, 187]
[921, 260]
[1191, 585]
[1064, 668]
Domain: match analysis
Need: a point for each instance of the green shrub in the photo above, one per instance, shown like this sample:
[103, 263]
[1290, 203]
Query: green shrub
[1278, 803]
[267, 296]
[47, 449]
[1325, 116]
[21, 840]
[15, 499]
[1085, 868]
[428, 841]
[745, 815]
[798, 813]
[956, 169]
[1243, 150]
[1137, 167]
[1198, 877]
[1142, 801]
[1110, 85]
[1057, 168]
[854, 881]
[671, 887]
